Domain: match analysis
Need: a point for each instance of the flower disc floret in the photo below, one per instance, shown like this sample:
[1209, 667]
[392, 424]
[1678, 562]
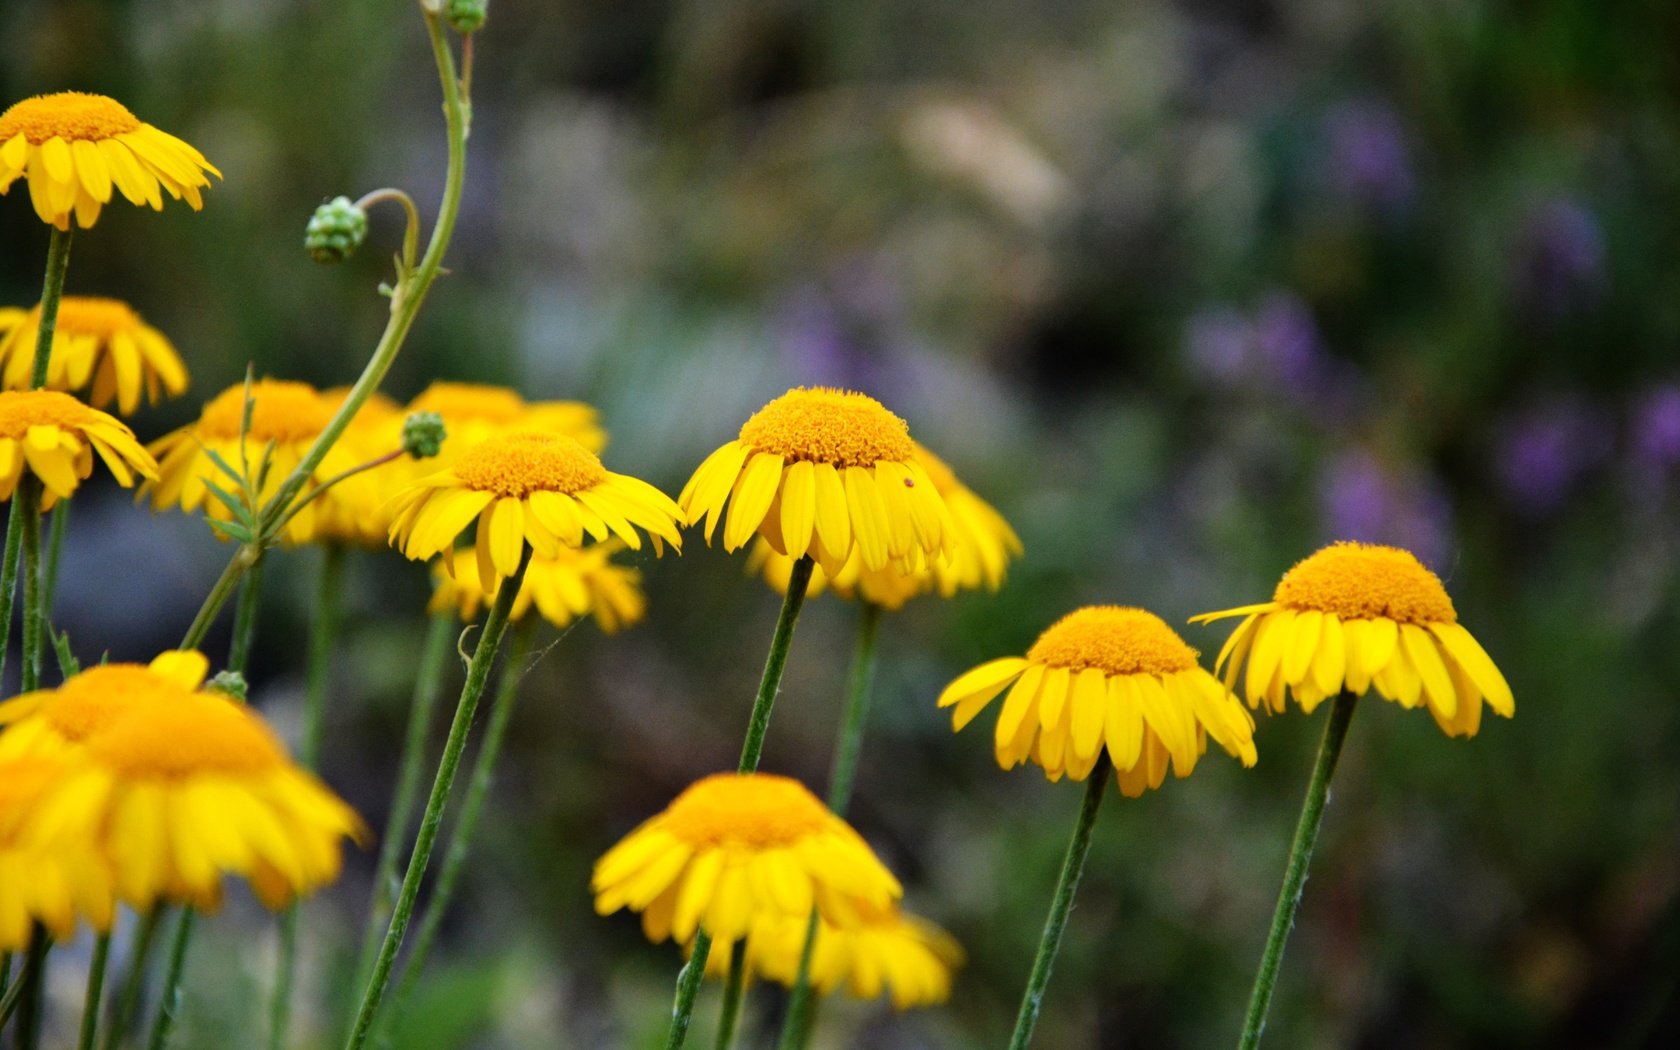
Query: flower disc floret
[74, 150]
[1357, 617]
[1109, 677]
[817, 473]
[55, 437]
[49, 721]
[736, 847]
[520, 464]
[99, 345]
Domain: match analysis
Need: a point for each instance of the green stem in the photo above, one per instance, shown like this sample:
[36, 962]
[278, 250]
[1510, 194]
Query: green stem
[52, 290]
[31, 1007]
[9, 575]
[406, 299]
[226, 584]
[771, 681]
[323, 630]
[170, 1005]
[734, 990]
[55, 554]
[796, 1027]
[428, 685]
[13, 991]
[95, 988]
[799, 580]
[129, 1001]
[29, 495]
[472, 806]
[1072, 866]
[478, 673]
[1295, 871]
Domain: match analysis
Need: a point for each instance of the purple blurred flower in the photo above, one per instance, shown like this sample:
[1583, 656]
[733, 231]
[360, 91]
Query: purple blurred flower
[1656, 426]
[1220, 344]
[1278, 346]
[1287, 339]
[1360, 498]
[1560, 262]
[1370, 158]
[1543, 452]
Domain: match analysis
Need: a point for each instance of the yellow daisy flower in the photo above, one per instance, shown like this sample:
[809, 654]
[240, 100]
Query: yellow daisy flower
[818, 472]
[473, 412]
[375, 430]
[733, 847]
[573, 583]
[97, 343]
[50, 722]
[57, 886]
[985, 544]
[1111, 676]
[180, 791]
[908, 958]
[1358, 616]
[289, 417]
[527, 487]
[55, 436]
[73, 149]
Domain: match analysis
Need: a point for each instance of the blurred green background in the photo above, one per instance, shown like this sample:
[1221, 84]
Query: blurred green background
[1185, 288]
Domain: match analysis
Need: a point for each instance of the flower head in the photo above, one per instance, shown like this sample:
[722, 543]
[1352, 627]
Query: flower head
[817, 472]
[1111, 676]
[734, 847]
[54, 886]
[527, 487]
[53, 721]
[73, 149]
[573, 583]
[473, 412]
[286, 418]
[1356, 616]
[99, 345]
[55, 437]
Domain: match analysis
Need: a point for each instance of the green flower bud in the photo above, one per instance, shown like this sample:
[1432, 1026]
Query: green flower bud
[335, 231]
[466, 16]
[230, 682]
[423, 434]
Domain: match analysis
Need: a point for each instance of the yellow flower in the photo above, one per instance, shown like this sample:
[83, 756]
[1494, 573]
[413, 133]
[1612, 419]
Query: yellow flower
[1105, 675]
[358, 515]
[97, 342]
[817, 472]
[1356, 616]
[51, 722]
[734, 847]
[985, 543]
[179, 790]
[55, 886]
[473, 412]
[909, 958]
[569, 585]
[527, 487]
[55, 436]
[74, 149]
[287, 415]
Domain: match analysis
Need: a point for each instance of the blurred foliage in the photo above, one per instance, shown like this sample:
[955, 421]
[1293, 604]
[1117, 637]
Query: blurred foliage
[1185, 288]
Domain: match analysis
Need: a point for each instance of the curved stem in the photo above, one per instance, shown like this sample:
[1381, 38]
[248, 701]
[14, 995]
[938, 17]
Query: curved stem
[95, 988]
[734, 990]
[323, 630]
[322, 488]
[1073, 865]
[472, 806]
[406, 300]
[771, 681]
[1295, 871]
[478, 672]
[52, 290]
[129, 1000]
[796, 1026]
[411, 232]
[170, 1005]
[427, 687]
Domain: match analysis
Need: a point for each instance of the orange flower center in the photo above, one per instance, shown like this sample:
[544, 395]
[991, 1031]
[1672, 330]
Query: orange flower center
[22, 409]
[282, 411]
[1366, 581]
[520, 464]
[90, 315]
[68, 115]
[755, 810]
[91, 701]
[829, 426]
[463, 401]
[196, 733]
[1116, 640]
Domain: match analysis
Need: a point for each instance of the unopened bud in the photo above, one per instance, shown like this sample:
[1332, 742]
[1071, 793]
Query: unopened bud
[465, 16]
[230, 682]
[335, 231]
[423, 434]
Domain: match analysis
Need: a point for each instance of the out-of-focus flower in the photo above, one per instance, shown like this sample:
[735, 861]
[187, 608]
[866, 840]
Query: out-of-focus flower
[1542, 452]
[97, 343]
[73, 149]
[1362, 498]
[1559, 266]
[970, 141]
[569, 585]
[737, 846]
[1101, 676]
[1370, 157]
[54, 436]
[1656, 426]
[473, 412]
[54, 886]
[1278, 345]
[52, 721]
[1358, 616]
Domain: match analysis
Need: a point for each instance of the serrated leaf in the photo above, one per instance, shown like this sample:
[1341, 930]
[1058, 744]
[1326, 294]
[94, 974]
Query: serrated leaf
[233, 531]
